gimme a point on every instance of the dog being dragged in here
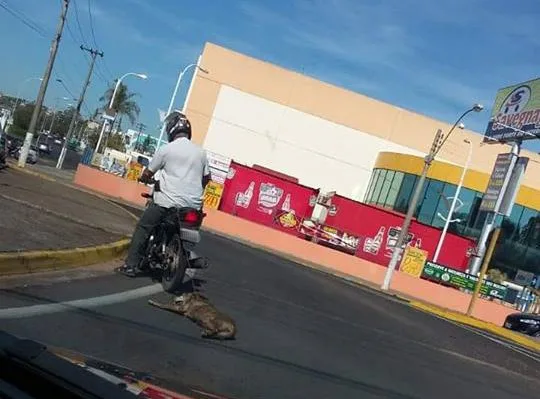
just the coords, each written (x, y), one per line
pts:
(198, 308)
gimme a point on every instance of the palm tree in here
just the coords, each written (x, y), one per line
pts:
(123, 105)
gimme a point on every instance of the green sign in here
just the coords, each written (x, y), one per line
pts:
(454, 278)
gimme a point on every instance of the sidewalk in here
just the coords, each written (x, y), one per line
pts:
(40, 214)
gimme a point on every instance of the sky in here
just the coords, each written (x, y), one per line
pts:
(436, 58)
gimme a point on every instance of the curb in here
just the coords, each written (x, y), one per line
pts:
(39, 261)
(476, 323)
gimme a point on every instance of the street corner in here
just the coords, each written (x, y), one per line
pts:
(40, 261)
(485, 326)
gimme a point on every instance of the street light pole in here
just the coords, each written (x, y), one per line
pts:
(111, 103)
(437, 144)
(175, 91)
(453, 205)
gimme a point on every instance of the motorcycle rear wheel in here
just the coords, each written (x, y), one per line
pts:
(176, 264)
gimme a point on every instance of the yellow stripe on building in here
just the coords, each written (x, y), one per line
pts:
(448, 173)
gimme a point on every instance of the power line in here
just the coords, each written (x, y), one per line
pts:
(24, 19)
(76, 8)
(99, 69)
(91, 23)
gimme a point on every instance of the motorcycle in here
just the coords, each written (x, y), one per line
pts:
(168, 251)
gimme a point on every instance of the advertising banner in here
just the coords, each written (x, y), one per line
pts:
(266, 199)
(454, 278)
(413, 262)
(212, 195)
(499, 178)
(512, 189)
(516, 113)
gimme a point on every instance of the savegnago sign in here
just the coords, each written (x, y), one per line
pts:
(516, 113)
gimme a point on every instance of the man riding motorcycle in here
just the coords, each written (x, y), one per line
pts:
(184, 173)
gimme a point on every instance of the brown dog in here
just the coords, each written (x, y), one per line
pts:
(198, 308)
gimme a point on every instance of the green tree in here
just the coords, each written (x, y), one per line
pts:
(124, 104)
(22, 117)
(62, 121)
(113, 140)
(146, 145)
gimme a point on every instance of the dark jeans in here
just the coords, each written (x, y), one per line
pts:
(149, 219)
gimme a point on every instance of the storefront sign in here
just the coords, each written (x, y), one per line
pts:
(499, 178)
(219, 166)
(454, 278)
(413, 261)
(212, 195)
(516, 113)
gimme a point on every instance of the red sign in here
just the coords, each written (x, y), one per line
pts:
(261, 197)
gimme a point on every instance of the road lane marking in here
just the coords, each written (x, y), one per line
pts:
(85, 303)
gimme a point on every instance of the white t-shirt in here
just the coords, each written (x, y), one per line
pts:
(181, 165)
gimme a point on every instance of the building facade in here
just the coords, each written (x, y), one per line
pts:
(335, 139)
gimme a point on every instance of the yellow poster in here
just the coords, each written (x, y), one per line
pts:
(134, 171)
(413, 261)
(212, 195)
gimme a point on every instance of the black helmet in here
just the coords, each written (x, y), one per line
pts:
(176, 123)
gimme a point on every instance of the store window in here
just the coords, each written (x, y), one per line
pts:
(374, 176)
(394, 190)
(467, 198)
(405, 193)
(526, 223)
(385, 187)
(510, 225)
(370, 186)
(443, 208)
(378, 186)
(431, 200)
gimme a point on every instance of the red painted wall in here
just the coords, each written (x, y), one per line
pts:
(368, 221)
(262, 197)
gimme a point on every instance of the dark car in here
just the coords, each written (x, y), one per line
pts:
(526, 323)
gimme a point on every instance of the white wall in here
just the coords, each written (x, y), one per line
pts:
(321, 154)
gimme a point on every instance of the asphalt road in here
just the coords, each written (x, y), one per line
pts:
(71, 160)
(301, 334)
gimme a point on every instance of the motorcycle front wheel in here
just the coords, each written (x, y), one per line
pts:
(175, 265)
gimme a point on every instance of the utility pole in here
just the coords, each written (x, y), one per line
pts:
(94, 54)
(398, 249)
(43, 88)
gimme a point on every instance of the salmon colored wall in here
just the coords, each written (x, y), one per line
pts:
(301, 250)
(337, 105)
(109, 184)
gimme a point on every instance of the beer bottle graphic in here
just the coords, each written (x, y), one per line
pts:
(286, 206)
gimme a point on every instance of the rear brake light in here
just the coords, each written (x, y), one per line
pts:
(191, 217)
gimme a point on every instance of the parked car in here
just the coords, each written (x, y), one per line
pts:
(45, 147)
(526, 323)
